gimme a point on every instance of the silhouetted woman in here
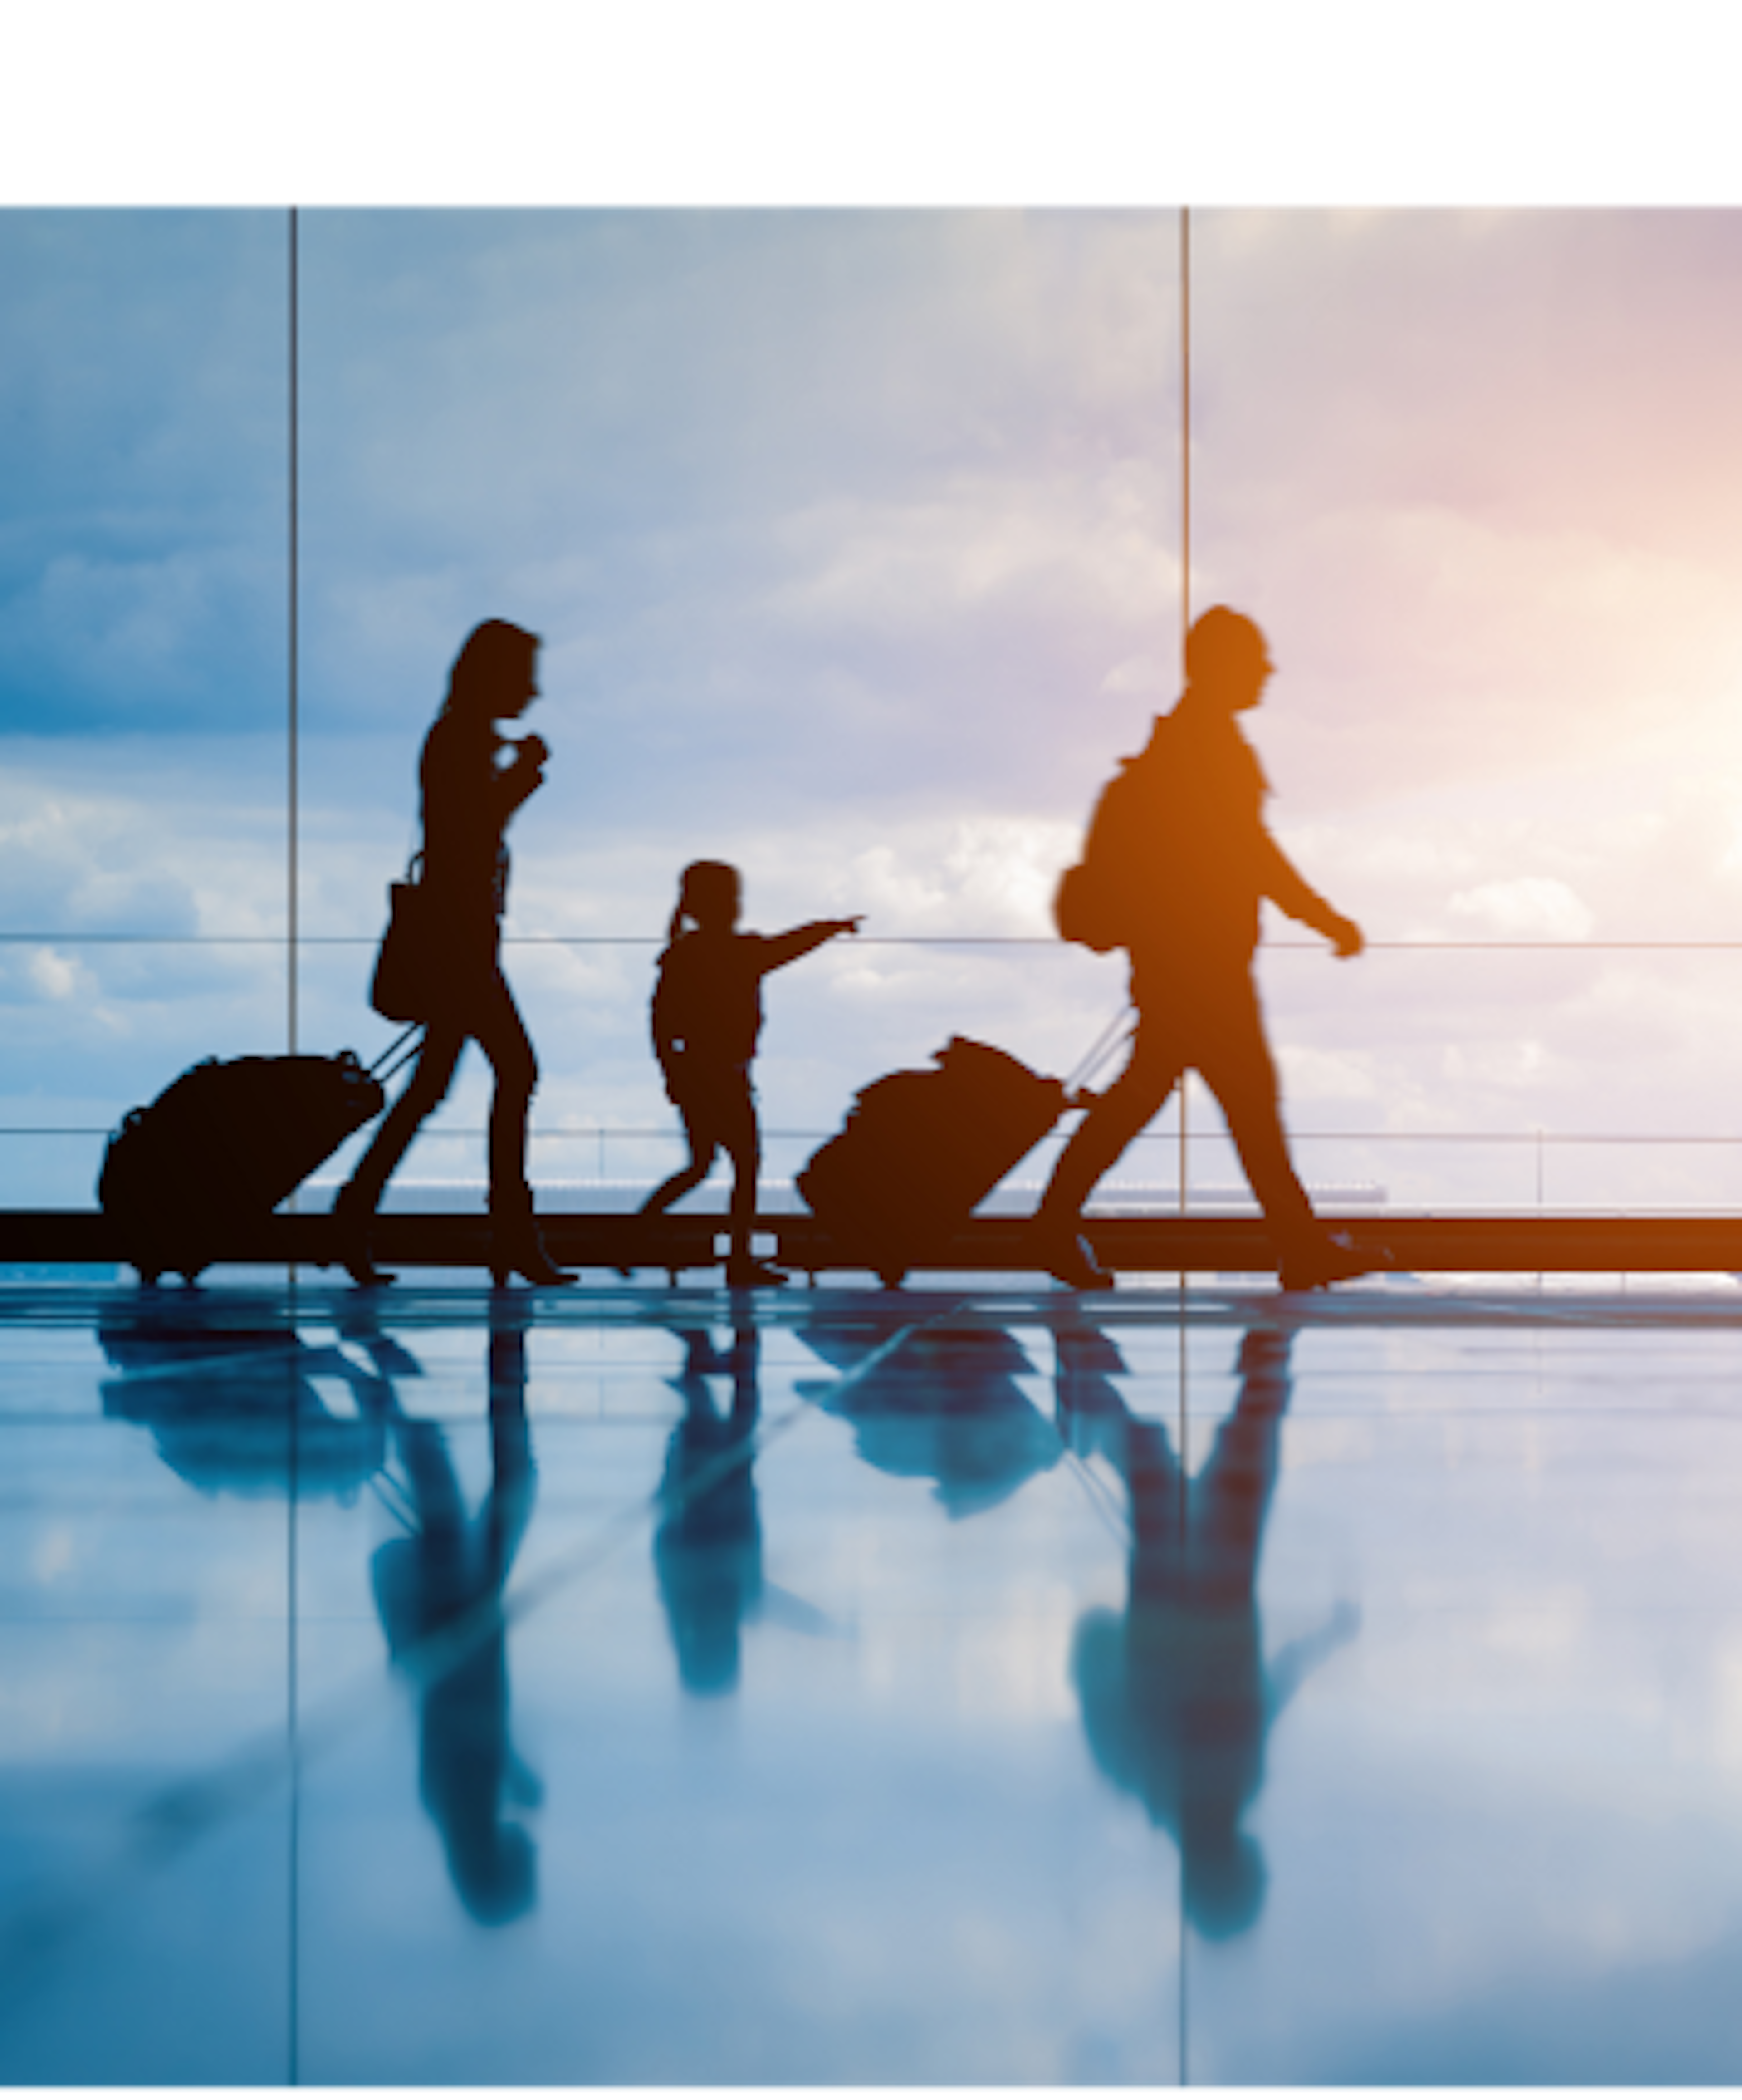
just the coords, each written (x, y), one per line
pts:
(707, 1018)
(470, 789)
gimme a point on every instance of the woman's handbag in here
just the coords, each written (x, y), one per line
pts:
(407, 984)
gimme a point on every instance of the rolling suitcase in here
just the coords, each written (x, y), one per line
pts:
(920, 1149)
(225, 1144)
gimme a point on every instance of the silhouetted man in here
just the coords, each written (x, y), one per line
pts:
(1205, 863)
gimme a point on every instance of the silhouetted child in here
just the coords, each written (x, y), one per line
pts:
(707, 1017)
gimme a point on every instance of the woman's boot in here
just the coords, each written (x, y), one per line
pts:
(353, 1222)
(515, 1246)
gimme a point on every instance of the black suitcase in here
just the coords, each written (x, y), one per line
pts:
(224, 1146)
(920, 1149)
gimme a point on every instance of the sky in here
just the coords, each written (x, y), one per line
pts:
(856, 540)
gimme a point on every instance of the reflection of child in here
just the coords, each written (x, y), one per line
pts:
(707, 1016)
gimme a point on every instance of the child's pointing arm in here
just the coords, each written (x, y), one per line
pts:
(778, 949)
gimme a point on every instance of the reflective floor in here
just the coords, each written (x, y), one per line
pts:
(961, 1686)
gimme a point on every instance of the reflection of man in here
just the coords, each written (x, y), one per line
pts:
(1177, 1700)
(439, 1593)
(1203, 862)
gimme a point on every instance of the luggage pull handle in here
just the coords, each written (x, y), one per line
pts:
(399, 1053)
(1113, 1037)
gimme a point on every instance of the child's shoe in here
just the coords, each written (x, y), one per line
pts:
(743, 1272)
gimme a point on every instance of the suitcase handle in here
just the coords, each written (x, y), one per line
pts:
(399, 1053)
(1113, 1037)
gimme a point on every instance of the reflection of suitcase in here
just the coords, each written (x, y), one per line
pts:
(218, 1401)
(921, 1148)
(224, 1146)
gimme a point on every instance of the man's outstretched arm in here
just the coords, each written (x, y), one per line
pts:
(1284, 884)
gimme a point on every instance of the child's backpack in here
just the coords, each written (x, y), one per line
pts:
(1098, 901)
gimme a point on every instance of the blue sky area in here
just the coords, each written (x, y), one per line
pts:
(855, 538)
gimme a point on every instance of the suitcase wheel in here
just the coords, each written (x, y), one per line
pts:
(148, 1259)
(153, 1267)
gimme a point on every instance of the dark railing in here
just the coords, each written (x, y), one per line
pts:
(1209, 1229)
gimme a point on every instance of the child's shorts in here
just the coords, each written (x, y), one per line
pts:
(717, 1108)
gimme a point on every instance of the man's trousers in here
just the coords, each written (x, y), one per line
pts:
(1210, 1022)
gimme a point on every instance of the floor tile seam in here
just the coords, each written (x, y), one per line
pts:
(1434, 1316)
(1363, 1391)
(464, 1304)
(82, 1613)
(1105, 1503)
(1392, 1618)
(1538, 1410)
(1560, 1365)
(292, 1351)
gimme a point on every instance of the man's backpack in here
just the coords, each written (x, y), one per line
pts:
(1098, 902)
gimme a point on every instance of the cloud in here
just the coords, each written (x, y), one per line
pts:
(58, 977)
(1528, 906)
(855, 539)
(144, 471)
(985, 877)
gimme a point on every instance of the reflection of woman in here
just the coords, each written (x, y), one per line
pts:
(469, 796)
(439, 1590)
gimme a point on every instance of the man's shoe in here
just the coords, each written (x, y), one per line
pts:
(1331, 1259)
(1069, 1257)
